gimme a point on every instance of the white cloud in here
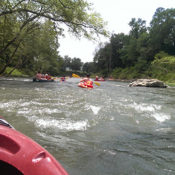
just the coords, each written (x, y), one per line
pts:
(74, 47)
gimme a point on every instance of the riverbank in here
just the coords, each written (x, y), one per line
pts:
(161, 69)
(121, 75)
(169, 84)
(11, 72)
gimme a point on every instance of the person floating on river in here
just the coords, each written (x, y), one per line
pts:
(42, 77)
(87, 78)
(63, 78)
(96, 78)
(48, 77)
(86, 82)
(99, 79)
(38, 75)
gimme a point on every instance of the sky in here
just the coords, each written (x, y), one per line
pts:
(117, 13)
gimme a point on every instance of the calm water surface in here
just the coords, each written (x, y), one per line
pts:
(110, 130)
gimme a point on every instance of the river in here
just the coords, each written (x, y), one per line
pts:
(112, 129)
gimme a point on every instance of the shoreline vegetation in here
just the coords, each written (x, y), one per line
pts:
(162, 69)
(29, 45)
(121, 75)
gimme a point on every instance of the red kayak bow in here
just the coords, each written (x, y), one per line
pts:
(20, 155)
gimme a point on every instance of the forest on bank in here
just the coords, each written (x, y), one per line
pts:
(146, 52)
(30, 31)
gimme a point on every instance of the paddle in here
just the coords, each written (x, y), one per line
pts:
(77, 76)
(97, 83)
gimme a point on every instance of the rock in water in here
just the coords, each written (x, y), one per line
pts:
(148, 83)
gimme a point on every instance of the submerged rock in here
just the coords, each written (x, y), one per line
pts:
(148, 83)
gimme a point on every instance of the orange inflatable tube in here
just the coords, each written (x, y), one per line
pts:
(88, 84)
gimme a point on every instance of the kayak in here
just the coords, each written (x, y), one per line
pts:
(20, 155)
(42, 80)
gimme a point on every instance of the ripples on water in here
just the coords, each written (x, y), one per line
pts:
(110, 130)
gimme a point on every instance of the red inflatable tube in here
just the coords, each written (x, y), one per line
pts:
(85, 85)
(82, 85)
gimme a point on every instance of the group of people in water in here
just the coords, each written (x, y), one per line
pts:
(47, 77)
(99, 79)
(88, 83)
(40, 76)
(84, 83)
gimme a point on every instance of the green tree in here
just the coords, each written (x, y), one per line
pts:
(38, 50)
(138, 27)
(89, 67)
(76, 64)
(118, 42)
(162, 31)
(66, 63)
(102, 58)
(77, 15)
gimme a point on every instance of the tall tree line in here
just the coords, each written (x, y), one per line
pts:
(140, 47)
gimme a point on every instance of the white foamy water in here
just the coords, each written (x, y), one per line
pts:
(48, 111)
(145, 107)
(62, 124)
(10, 106)
(30, 103)
(165, 130)
(24, 111)
(161, 117)
(111, 152)
(95, 109)
(152, 111)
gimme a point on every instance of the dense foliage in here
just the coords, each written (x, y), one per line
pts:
(29, 31)
(137, 54)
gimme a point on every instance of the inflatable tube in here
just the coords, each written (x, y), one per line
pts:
(81, 85)
(85, 85)
(21, 155)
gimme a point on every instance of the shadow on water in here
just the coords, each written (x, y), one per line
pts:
(112, 129)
